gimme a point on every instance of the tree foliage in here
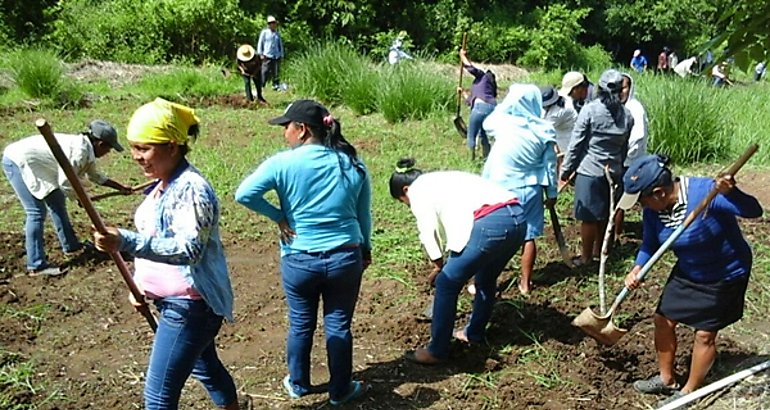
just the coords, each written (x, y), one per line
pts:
(744, 32)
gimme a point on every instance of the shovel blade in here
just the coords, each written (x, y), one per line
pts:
(460, 126)
(599, 327)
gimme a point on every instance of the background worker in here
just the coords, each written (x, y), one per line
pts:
(270, 50)
(637, 140)
(707, 285)
(482, 99)
(251, 71)
(40, 184)
(575, 90)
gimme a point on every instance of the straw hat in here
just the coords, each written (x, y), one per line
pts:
(245, 52)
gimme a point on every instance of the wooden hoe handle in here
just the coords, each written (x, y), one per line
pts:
(47, 133)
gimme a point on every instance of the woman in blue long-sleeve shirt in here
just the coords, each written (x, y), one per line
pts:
(324, 221)
(707, 286)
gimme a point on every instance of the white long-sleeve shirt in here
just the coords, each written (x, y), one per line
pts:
(443, 203)
(39, 169)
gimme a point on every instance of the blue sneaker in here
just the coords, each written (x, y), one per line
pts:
(357, 389)
(289, 388)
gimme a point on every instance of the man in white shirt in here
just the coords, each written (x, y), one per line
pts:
(40, 183)
(684, 68)
(270, 49)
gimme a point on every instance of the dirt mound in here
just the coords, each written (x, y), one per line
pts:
(115, 74)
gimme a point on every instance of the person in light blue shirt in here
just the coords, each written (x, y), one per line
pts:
(270, 50)
(523, 160)
(325, 225)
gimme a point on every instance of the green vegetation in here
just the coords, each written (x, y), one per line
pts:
(557, 34)
(39, 74)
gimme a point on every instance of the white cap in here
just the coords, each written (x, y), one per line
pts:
(271, 19)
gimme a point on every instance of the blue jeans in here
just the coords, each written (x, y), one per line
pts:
(494, 240)
(247, 80)
(334, 276)
(479, 112)
(184, 345)
(35, 209)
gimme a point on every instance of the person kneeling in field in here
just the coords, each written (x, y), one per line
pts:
(39, 183)
(707, 286)
(180, 262)
(481, 224)
(325, 226)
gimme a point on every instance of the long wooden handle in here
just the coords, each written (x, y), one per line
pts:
(560, 237)
(460, 83)
(77, 186)
(134, 189)
(737, 165)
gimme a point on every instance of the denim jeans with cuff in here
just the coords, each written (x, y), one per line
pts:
(334, 277)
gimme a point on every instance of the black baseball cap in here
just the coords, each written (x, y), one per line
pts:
(304, 111)
(104, 131)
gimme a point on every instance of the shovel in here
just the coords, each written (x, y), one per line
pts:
(72, 177)
(460, 126)
(600, 327)
(560, 237)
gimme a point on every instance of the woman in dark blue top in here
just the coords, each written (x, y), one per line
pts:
(707, 285)
(482, 99)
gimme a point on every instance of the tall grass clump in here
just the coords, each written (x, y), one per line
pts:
(687, 119)
(412, 91)
(187, 82)
(38, 73)
(324, 70)
(359, 88)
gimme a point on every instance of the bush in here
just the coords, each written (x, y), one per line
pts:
(687, 119)
(38, 73)
(412, 91)
(324, 70)
(149, 32)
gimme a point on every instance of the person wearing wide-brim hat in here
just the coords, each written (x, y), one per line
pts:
(250, 67)
(41, 185)
(707, 285)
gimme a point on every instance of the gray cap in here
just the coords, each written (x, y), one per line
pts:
(104, 131)
(612, 81)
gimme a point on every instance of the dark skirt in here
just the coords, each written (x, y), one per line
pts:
(703, 306)
(592, 198)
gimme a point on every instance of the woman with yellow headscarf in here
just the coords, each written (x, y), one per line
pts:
(179, 259)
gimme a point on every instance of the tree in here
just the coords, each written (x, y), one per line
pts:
(743, 32)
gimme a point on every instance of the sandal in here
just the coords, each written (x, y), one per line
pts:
(655, 385)
(578, 261)
(522, 291)
(357, 389)
(421, 356)
(460, 335)
(675, 396)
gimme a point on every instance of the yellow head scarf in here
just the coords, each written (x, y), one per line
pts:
(161, 122)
